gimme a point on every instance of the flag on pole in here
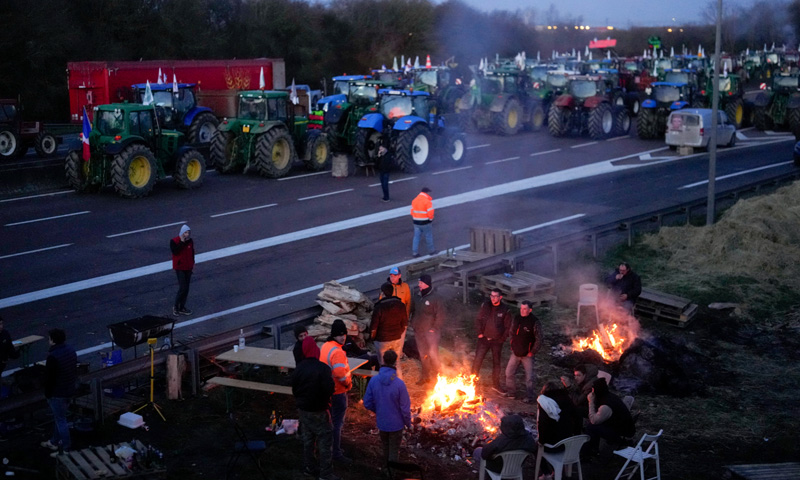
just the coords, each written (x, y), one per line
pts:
(148, 94)
(160, 81)
(87, 129)
(261, 83)
(416, 62)
(394, 65)
(174, 85)
(293, 94)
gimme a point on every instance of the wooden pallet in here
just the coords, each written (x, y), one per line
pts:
(101, 463)
(764, 471)
(662, 300)
(518, 283)
(682, 320)
(428, 265)
(460, 258)
(493, 241)
(666, 308)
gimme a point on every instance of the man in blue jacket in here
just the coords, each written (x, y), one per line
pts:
(60, 378)
(387, 396)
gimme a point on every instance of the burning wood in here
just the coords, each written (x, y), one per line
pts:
(610, 340)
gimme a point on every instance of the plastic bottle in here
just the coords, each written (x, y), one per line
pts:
(241, 338)
(273, 421)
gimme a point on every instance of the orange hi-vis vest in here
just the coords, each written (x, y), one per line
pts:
(333, 356)
(422, 209)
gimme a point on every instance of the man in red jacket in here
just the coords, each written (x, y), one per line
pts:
(182, 248)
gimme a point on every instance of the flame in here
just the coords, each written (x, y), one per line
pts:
(607, 342)
(458, 394)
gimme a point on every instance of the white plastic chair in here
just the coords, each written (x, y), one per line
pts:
(512, 465)
(638, 455)
(587, 297)
(565, 458)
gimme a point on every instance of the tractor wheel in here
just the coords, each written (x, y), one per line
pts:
(622, 122)
(203, 128)
(224, 152)
(601, 122)
(77, 171)
(10, 144)
(646, 126)
(275, 153)
(366, 148)
(760, 119)
(46, 145)
(133, 171)
(509, 120)
(413, 151)
(558, 121)
(636, 107)
(455, 148)
(317, 155)
(333, 140)
(618, 99)
(735, 112)
(538, 117)
(794, 120)
(190, 169)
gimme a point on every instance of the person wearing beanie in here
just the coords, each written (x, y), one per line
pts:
(334, 356)
(389, 321)
(492, 326)
(401, 290)
(422, 217)
(300, 333)
(428, 318)
(182, 248)
(312, 387)
(387, 396)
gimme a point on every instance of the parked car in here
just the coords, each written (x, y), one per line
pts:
(690, 127)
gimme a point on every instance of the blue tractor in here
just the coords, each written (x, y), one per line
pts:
(664, 98)
(178, 110)
(407, 124)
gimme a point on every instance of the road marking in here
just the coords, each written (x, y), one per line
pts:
(547, 224)
(37, 196)
(244, 210)
(304, 175)
(47, 218)
(777, 134)
(392, 182)
(617, 138)
(324, 194)
(724, 177)
(146, 229)
(583, 145)
(35, 251)
(545, 152)
(452, 170)
(502, 160)
(479, 146)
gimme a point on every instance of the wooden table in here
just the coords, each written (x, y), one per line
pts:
(272, 358)
(24, 346)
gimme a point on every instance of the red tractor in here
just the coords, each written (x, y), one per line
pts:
(585, 107)
(16, 136)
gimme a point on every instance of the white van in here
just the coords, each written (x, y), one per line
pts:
(690, 127)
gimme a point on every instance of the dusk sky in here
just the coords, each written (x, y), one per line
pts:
(619, 13)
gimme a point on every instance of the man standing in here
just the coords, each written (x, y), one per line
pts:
(182, 248)
(312, 387)
(333, 355)
(384, 164)
(492, 326)
(7, 349)
(626, 284)
(387, 396)
(401, 290)
(61, 375)
(526, 339)
(422, 216)
(389, 321)
(428, 316)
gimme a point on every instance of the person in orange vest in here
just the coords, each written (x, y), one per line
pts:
(333, 356)
(422, 216)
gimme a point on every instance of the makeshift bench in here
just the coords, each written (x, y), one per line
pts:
(230, 383)
(363, 372)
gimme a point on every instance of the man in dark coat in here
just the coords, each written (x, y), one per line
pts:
(492, 326)
(626, 285)
(312, 387)
(580, 388)
(609, 417)
(61, 376)
(513, 436)
(7, 349)
(389, 321)
(557, 418)
(300, 333)
(428, 317)
(526, 339)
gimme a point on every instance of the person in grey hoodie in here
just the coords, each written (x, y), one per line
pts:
(387, 396)
(513, 436)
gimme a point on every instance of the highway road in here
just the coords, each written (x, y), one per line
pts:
(81, 262)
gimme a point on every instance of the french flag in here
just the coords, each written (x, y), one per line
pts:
(87, 129)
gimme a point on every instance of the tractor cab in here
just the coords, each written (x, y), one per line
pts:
(585, 86)
(785, 83)
(390, 76)
(677, 95)
(430, 79)
(178, 110)
(341, 87)
(397, 104)
(684, 75)
(261, 106)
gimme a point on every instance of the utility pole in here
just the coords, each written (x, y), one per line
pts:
(712, 147)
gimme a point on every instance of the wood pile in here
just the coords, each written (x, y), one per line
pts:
(665, 308)
(343, 303)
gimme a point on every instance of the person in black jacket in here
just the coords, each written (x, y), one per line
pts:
(557, 418)
(300, 333)
(626, 285)
(7, 349)
(492, 326)
(389, 321)
(609, 417)
(526, 339)
(312, 387)
(384, 161)
(513, 436)
(61, 376)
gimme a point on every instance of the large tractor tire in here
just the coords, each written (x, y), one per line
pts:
(10, 144)
(46, 145)
(622, 122)
(455, 148)
(646, 126)
(558, 121)
(366, 148)
(77, 171)
(538, 117)
(636, 107)
(190, 169)
(133, 171)
(413, 150)
(760, 119)
(794, 121)
(203, 128)
(601, 122)
(317, 154)
(618, 99)
(275, 153)
(509, 121)
(224, 152)
(735, 112)
(333, 139)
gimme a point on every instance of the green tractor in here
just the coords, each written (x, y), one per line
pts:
(731, 97)
(266, 135)
(439, 82)
(778, 107)
(501, 101)
(341, 117)
(128, 150)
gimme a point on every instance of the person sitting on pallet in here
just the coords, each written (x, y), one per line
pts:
(626, 284)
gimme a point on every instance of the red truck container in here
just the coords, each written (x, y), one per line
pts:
(100, 83)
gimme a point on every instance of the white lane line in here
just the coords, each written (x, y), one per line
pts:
(35, 251)
(36, 196)
(583, 145)
(146, 229)
(452, 170)
(324, 194)
(479, 146)
(244, 210)
(617, 138)
(47, 218)
(547, 224)
(502, 160)
(392, 182)
(304, 175)
(745, 172)
(536, 154)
